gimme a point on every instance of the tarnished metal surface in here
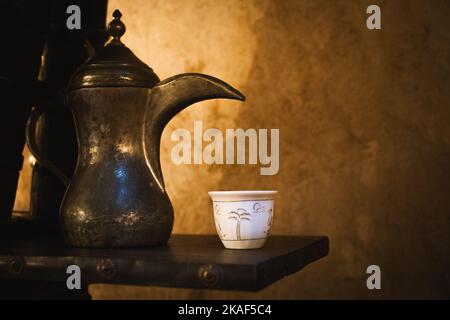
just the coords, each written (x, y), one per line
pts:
(113, 199)
(115, 65)
(116, 197)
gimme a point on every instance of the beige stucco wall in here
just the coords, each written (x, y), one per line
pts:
(364, 132)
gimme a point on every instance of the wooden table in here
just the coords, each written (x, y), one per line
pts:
(34, 260)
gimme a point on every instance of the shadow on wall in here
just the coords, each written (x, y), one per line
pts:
(364, 146)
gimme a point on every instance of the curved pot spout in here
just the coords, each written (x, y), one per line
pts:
(168, 98)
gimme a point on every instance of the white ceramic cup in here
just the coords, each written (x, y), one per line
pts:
(243, 218)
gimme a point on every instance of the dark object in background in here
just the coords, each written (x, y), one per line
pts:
(11, 157)
(35, 29)
(117, 197)
(23, 27)
(65, 50)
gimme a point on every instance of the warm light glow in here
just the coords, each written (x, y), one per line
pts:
(124, 148)
(32, 160)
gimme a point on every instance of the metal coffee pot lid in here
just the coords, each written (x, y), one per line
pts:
(114, 65)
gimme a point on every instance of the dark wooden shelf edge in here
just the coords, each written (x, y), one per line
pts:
(175, 274)
(189, 261)
(279, 268)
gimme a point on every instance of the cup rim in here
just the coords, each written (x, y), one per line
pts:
(237, 195)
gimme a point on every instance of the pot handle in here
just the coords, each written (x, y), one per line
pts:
(31, 139)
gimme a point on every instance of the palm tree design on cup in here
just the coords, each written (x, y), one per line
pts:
(239, 215)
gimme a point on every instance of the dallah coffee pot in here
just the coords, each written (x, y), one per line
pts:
(116, 197)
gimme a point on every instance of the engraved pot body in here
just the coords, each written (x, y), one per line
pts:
(113, 199)
(116, 197)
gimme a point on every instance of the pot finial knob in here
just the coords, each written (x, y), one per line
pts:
(116, 28)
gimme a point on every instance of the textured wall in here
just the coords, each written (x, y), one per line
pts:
(364, 132)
